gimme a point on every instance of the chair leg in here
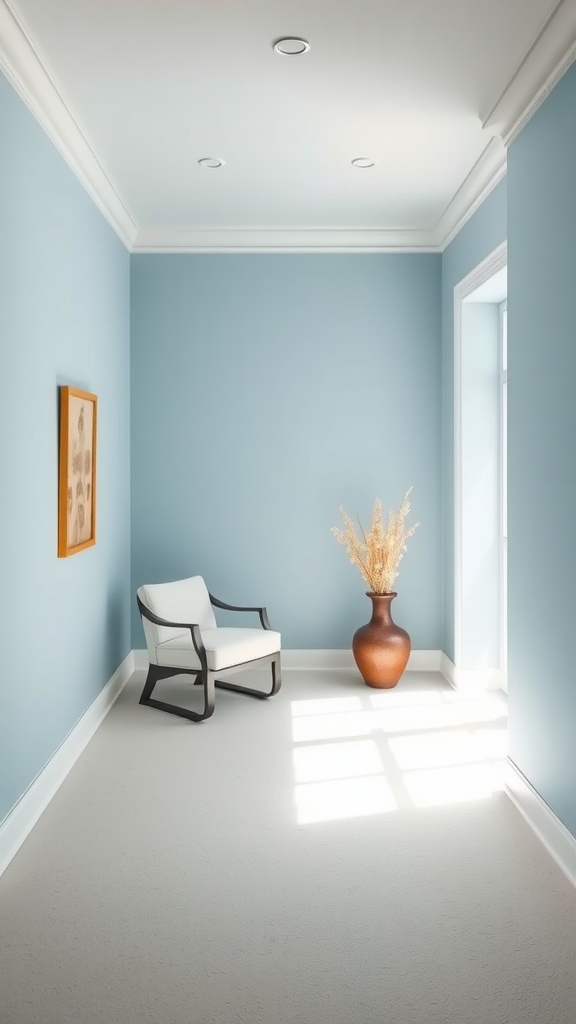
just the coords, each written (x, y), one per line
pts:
(262, 694)
(276, 675)
(155, 672)
(151, 680)
(208, 682)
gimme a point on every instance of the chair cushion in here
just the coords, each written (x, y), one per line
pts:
(224, 647)
(181, 601)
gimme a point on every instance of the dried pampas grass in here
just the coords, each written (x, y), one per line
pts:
(378, 552)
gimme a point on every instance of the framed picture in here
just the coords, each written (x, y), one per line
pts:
(77, 471)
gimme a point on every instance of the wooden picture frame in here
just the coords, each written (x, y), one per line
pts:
(77, 471)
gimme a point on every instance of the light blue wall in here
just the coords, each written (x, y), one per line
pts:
(267, 391)
(541, 437)
(483, 233)
(64, 318)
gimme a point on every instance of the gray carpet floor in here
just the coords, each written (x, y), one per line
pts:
(332, 855)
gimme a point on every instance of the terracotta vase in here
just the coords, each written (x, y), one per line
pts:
(381, 648)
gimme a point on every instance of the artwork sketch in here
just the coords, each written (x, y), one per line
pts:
(77, 471)
(79, 509)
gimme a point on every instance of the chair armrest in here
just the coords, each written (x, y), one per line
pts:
(192, 626)
(242, 608)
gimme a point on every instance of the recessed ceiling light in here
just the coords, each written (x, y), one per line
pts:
(211, 161)
(291, 46)
(363, 161)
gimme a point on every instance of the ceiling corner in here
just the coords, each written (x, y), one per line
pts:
(26, 72)
(542, 68)
(488, 170)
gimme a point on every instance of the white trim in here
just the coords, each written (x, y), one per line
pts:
(458, 587)
(21, 820)
(141, 661)
(552, 833)
(24, 68)
(424, 661)
(489, 266)
(187, 239)
(317, 659)
(487, 172)
(419, 661)
(503, 473)
(547, 60)
(466, 679)
(485, 270)
(447, 669)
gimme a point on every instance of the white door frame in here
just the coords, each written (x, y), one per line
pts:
(485, 270)
(503, 314)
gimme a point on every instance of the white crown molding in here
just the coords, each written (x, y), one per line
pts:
(552, 833)
(21, 820)
(488, 170)
(270, 240)
(24, 69)
(548, 59)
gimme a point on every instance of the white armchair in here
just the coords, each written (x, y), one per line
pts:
(182, 636)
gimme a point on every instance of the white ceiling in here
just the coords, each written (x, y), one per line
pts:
(147, 87)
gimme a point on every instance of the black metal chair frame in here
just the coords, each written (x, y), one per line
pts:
(207, 677)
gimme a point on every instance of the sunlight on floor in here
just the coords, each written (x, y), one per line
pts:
(396, 698)
(336, 761)
(404, 719)
(325, 727)
(394, 751)
(434, 749)
(325, 704)
(345, 798)
(450, 785)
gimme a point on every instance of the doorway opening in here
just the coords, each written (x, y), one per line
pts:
(480, 474)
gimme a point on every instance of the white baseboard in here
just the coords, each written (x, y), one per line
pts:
(425, 661)
(328, 660)
(447, 669)
(22, 818)
(140, 660)
(558, 840)
(470, 678)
